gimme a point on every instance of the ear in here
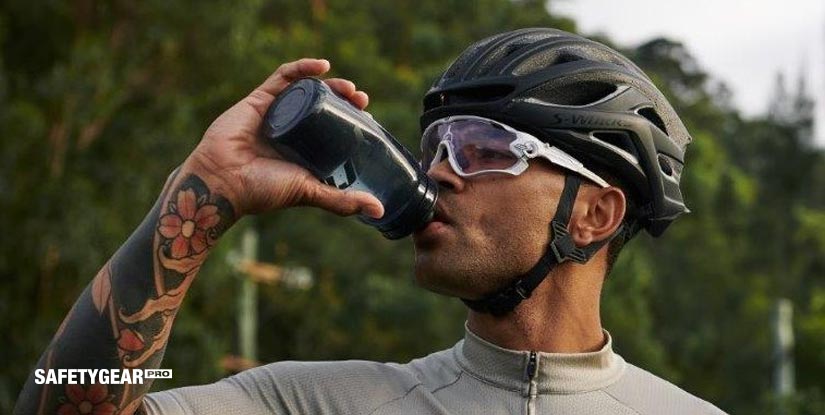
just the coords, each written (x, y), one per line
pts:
(597, 214)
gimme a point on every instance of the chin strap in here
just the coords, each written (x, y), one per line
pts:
(560, 249)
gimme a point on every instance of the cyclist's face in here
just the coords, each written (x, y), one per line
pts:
(493, 227)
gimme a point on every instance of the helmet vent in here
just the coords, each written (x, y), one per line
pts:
(544, 60)
(665, 165)
(489, 63)
(565, 58)
(475, 95)
(619, 140)
(575, 94)
(653, 117)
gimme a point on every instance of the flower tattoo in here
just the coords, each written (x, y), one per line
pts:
(96, 400)
(189, 224)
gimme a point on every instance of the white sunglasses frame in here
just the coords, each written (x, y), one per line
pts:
(525, 147)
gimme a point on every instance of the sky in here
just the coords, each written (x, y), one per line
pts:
(743, 43)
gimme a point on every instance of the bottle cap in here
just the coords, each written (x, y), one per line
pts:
(292, 106)
(415, 214)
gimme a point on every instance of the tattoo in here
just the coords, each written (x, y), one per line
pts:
(124, 317)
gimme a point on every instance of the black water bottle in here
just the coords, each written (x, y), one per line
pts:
(344, 147)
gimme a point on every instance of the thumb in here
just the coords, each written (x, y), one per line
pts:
(344, 202)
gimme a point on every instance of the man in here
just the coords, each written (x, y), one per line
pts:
(550, 151)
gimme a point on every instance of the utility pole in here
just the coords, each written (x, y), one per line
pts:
(248, 300)
(783, 375)
(251, 272)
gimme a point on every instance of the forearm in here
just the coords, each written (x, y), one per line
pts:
(123, 319)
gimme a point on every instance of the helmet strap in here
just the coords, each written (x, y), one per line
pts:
(560, 249)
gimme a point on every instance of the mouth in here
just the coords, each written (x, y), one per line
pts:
(440, 222)
(441, 216)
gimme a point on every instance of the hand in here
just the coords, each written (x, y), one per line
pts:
(252, 175)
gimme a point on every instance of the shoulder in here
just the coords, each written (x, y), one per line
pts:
(436, 370)
(346, 380)
(355, 386)
(351, 386)
(647, 393)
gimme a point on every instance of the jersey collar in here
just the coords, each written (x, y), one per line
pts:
(555, 372)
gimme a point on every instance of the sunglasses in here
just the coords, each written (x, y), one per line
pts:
(476, 145)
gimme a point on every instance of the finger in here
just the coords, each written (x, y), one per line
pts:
(360, 99)
(372, 206)
(345, 203)
(303, 67)
(291, 71)
(346, 89)
(343, 87)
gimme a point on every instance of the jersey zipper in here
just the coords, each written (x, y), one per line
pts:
(532, 387)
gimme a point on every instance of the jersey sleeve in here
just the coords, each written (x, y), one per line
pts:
(291, 388)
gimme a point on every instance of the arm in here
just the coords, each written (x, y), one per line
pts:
(123, 319)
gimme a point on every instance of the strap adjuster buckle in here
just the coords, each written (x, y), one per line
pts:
(520, 290)
(563, 247)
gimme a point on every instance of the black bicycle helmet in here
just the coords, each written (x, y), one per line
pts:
(582, 96)
(586, 99)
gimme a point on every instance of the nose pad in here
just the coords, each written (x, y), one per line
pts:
(441, 155)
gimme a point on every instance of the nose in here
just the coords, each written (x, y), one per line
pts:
(442, 172)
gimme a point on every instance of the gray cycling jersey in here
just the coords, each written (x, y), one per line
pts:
(473, 377)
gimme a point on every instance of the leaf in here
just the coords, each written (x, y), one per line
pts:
(102, 288)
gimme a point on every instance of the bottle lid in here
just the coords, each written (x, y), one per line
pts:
(291, 106)
(415, 214)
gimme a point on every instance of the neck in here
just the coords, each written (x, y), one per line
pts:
(561, 316)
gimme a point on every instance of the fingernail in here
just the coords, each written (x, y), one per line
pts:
(371, 212)
(379, 213)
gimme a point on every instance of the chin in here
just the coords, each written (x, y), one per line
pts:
(432, 274)
(444, 276)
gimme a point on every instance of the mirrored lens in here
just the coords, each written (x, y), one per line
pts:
(480, 146)
(477, 145)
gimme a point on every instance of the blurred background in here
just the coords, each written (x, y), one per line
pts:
(101, 100)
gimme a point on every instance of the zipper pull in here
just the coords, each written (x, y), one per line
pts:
(532, 366)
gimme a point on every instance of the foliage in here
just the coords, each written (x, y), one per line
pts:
(752, 187)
